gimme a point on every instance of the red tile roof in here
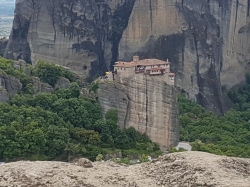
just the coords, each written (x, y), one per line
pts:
(145, 62)
(171, 74)
(150, 62)
(124, 64)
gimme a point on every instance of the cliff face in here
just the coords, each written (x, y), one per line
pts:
(72, 33)
(206, 41)
(3, 44)
(147, 104)
(8, 86)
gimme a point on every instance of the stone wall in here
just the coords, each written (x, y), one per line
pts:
(145, 103)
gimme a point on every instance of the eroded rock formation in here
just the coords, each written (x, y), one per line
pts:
(8, 86)
(145, 103)
(206, 41)
(72, 33)
(3, 44)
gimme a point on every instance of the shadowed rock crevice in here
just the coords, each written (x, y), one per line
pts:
(205, 34)
(119, 24)
(191, 37)
(75, 34)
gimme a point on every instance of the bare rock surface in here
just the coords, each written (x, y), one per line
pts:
(207, 42)
(175, 170)
(8, 86)
(148, 104)
(84, 162)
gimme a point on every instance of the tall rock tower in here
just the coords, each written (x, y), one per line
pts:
(146, 103)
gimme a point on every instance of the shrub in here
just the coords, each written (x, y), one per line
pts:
(99, 157)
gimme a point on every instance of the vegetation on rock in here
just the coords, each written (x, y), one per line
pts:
(226, 135)
(50, 73)
(7, 66)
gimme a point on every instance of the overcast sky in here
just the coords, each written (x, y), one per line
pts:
(7, 7)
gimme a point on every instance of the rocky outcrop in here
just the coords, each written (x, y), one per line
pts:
(4, 96)
(203, 40)
(145, 103)
(41, 86)
(3, 44)
(177, 169)
(21, 65)
(62, 83)
(8, 86)
(72, 33)
(84, 162)
(206, 41)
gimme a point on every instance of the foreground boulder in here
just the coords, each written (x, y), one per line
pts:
(84, 162)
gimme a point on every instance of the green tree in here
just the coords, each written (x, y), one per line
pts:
(47, 72)
(112, 114)
(99, 157)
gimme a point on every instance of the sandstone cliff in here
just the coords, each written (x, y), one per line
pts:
(72, 33)
(206, 41)
(177, 169)
(145, 103)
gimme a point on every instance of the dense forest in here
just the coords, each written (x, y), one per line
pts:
(226, 135)
(63, 124)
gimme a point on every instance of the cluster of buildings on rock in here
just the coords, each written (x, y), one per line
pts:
(148, 67)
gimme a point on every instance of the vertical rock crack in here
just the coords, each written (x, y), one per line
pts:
(151, 16)
(146, 105)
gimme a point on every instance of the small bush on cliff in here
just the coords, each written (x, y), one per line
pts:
(99, 157)
(112, 114)
(50, 73)
(7, 66)
(94, 87)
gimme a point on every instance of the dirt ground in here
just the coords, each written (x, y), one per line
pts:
(184, 169)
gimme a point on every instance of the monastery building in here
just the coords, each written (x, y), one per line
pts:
(148, 67)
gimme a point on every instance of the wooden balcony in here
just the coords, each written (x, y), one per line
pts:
(140, 71)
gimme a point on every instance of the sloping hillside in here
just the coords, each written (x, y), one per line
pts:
(177, 169)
